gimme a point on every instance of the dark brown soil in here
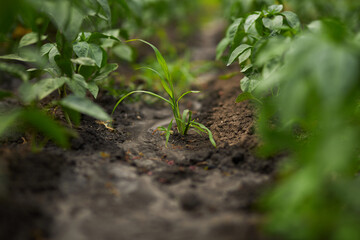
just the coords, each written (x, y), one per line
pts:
(125, 184)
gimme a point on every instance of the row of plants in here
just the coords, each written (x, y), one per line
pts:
(302, 73)
(63, 49)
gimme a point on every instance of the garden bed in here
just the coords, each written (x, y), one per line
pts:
(125, 184)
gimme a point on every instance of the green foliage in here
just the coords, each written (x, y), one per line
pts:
(307, 84)
(247, 36)
(183, 121)
(318, 121)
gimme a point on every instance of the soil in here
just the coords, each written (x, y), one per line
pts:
(125, 184)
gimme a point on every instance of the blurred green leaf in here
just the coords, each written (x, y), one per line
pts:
(93, 51)
(7, 120)
(46, 125)
(78, 85)
(30, 38)
(15, 69)
(85, 106)
(46, 86)
(292, 19)
(275, 23)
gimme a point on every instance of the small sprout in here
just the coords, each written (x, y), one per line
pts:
(184, 121)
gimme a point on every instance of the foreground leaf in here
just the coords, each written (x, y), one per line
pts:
(85, 106)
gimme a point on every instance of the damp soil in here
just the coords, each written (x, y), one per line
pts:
(124, 183)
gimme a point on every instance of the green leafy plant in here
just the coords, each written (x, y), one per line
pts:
(315, 118)
(74, 64)
(184, 121)
(248, 35)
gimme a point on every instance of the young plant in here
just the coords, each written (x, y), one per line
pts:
(183, 121)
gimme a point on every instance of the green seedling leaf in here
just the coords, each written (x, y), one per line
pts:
(46, 125)
(85, 61)
(292, 19)
(201, 127)
(105, 71)
(244, 56)
(273, 9)
(275, 23)
(163, 82)
(85, 106)
(30, 38)
(140, 91)
(160, 60)
(239, 50)
(168, 132)
(16, 70)
(184, 94)
(46, 86)
(93, 51)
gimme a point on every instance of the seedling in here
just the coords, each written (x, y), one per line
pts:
(184, 121)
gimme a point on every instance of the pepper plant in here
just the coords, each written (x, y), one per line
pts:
(246, 36)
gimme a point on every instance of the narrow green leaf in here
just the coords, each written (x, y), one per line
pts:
(235, 54)
(160, 60)
(163, 82)
(85, 106)
(184, 94)
(140, 91)
(211, 138)
(168, 132)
